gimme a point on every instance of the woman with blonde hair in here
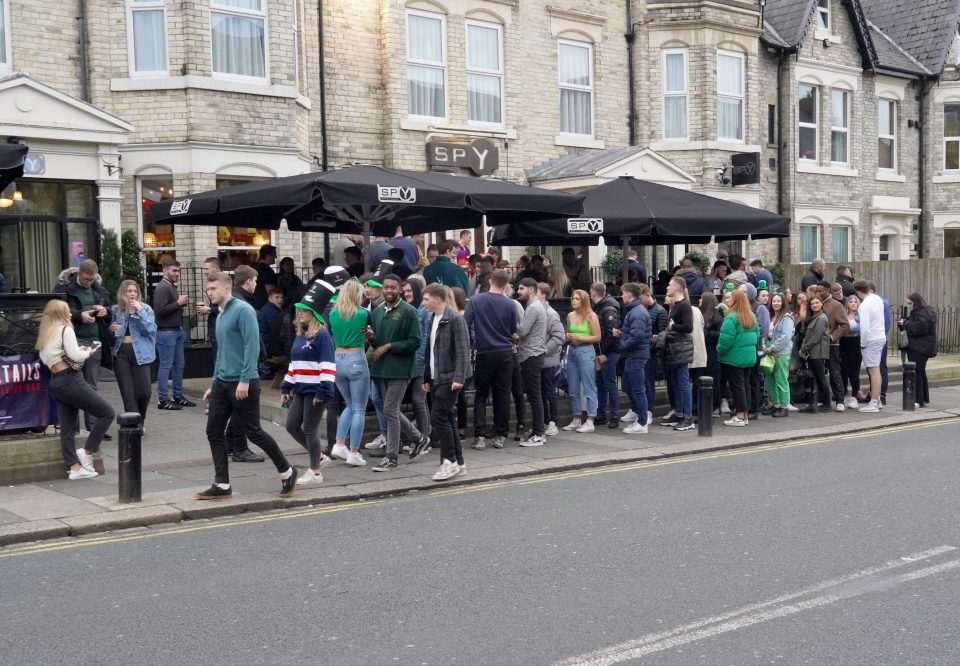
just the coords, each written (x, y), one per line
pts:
(347, 323)
(559, 283)
(737, 350)
(583, 334)
(59, 351)
(134, 347)
(310, 376)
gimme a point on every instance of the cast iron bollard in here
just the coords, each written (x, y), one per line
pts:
(909, 386)
(128, 453)
(705, 407)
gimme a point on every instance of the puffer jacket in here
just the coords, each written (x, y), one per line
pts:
(636, 331)
(678, 347)
(608, 312)
(921, 328)
(737, 345)
(695, 283)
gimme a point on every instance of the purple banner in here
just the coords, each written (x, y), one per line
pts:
(25, 393)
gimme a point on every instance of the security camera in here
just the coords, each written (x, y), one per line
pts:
(720, 172)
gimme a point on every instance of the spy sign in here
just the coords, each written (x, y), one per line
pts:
(585, 226)
(479, 156)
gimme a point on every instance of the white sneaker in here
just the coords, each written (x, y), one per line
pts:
(735, 421)
(629, 417)
(851, 403)
(839, 407)
(354, 459)
(85, 458)
(586, 427)
(447, 470)
(724, 407)
(792, 408)
(573, 425)
(533, 440)
(377, 443)
(309, 477)
(462, 470)
(869, 408)
(340, 451)
(551, 429)
(649, 418)
(82, 473)
(636, 429)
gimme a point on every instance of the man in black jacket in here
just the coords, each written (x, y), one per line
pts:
(813, 275)
(608, 312)
(90, 313)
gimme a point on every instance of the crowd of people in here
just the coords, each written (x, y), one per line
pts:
(426, 326)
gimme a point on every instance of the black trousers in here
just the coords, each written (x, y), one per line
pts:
(753, 396)
(133, 380)
(850, 360)
(530, 371)
(494, 372)
(821, 387)
(516, 390)
(224, 407)
(73, 394)
(548, 394)
(738, 379)
(443, 418)
(836, 375)
(923, 386)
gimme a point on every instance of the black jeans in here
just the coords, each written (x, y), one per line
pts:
(443, 418)
(303, 424)
(245, 414)
(133, 380)
(739, 381)
(836, 374)
(494, 371)
(516, 389)
(72, 394)
(530, 371)
(91, 374)
(923, 386)
(548, 393)
(821, 387)
(850, 360)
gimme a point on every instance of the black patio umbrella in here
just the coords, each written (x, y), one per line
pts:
(638, 212)
(11, 162)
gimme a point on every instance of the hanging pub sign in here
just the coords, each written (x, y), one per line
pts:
(746, 169)
(480, 156)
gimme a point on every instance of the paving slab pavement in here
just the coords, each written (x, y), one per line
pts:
(176, 464)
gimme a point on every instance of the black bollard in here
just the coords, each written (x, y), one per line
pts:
(909, 386)
(128, 453)
(705, 407)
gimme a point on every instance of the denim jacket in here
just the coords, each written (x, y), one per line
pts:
(141, 326)
(781, 342)
(425, 322)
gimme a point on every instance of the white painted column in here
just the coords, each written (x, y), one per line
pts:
(110, 199)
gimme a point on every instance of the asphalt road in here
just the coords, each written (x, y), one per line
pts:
(825, 552)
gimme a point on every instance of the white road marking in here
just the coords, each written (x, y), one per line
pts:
(844, 587)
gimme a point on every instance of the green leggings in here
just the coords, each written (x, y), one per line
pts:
(779, 384)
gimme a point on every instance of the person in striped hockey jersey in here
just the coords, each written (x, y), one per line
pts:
(310, 378)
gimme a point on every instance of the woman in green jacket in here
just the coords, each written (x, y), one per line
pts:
(737, 351)
(815, 350)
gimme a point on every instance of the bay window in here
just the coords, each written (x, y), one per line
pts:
(239, 37)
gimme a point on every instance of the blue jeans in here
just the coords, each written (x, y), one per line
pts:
(170, 354)
(353, 383)
(582, 376)
(607, 393)
(634, 379)
(650, 379)
(679, 379)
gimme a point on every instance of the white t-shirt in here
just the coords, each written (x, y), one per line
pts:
(433, 342)
(872, 328)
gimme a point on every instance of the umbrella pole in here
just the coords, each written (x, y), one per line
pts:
(623, 261)
(366, 246)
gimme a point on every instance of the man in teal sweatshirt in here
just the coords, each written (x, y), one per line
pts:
(235, 389)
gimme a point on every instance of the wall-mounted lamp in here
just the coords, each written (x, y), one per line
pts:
(721, 175)
(112, 164)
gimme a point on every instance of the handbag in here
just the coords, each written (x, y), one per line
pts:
(65, 357)
(903, 340)
(768, 363)
(803, 375)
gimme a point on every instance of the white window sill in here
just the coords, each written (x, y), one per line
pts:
(891, 177)
(825, 34)
(952, 177)
(206, 83)
(441, 125)
(679, 144)
(812, 167)
(578, 141)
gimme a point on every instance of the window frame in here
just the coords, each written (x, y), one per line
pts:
(443, 66)
(950, 138)
(295, 28)
(816, 242)
(134, 6)
(144, 249)
(845, 129)
(895, 114)
(684, 93)
(741, 96)
(824, 11)
(484, 72)
(6, 64)
(815, 125)
(572, 86)
(260, 15)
